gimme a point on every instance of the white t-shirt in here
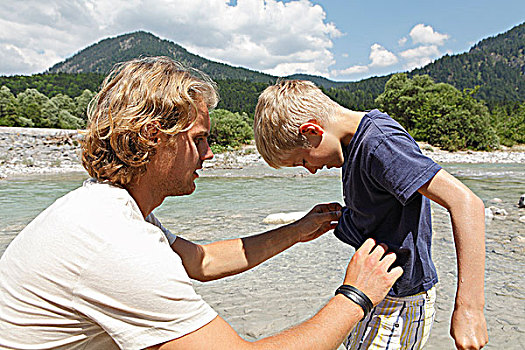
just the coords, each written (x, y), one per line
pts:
(90, 273)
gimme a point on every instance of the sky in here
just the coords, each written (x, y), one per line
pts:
(342, 40)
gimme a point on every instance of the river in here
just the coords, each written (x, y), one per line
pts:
(232, 203)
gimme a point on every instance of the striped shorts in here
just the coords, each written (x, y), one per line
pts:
(395, 324)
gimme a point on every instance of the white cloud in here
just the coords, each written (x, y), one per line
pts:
(426, 40)
(271, 36)
(419, 56)
(349, 71)
(16, 60)
(422, 34)
(42, 34)
(381, 57)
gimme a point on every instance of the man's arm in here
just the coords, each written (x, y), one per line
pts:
(229, 257)
(467, 213)
(367, 271)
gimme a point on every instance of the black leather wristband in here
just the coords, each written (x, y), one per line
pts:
(357, 297)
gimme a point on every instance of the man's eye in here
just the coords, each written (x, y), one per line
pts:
(198, 140)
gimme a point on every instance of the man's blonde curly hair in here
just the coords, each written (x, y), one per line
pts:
(136, 95)
(282, 108)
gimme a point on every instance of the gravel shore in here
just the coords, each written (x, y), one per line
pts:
(50, 151)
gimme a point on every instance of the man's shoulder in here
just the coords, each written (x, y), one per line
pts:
(104, 197)
(95, 208)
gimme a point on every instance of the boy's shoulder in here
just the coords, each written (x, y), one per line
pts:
(376, 127)
(383, 123)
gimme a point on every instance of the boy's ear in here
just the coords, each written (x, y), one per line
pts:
(311, 128)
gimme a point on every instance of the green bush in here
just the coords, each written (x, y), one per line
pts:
(509, 122)
(438, 113)
(68, 121)
(229, 130)
(7, 107)
(34, 109)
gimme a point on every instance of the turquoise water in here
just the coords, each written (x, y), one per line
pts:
(229, 203)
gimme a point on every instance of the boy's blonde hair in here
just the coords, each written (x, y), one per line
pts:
(282, 108)
(137, 94)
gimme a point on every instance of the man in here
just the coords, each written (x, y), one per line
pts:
(96, 270)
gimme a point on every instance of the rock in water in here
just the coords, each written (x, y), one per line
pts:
(488, 215)
(521, 202)
(284, 218)
(496, 200)
(498, 211)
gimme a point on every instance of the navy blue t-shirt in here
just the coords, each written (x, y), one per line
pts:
(383, 169)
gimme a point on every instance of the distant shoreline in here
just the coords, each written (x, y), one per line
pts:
(32, 151)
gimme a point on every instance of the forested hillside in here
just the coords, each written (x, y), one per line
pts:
(496, 65)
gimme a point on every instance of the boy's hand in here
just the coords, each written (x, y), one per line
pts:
(322, 218)
(469, 328)
(369, 271)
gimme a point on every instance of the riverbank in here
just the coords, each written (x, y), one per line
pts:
(54, 151)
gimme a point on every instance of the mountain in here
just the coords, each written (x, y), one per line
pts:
(496, 65)
(102, 56)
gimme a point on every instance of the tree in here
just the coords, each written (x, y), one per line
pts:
(81, 104)
(7, 107)
(229, 129)
(49, 114)
(68, 121)
(64, 102)
(438, 113)
(29, 108)
(509, 122)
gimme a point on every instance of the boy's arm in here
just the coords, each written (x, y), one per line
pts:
(467, 213)
(229, 257)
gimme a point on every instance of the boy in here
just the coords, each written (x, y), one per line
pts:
(387, 184)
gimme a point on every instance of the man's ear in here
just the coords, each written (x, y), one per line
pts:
(151, 131)
(311, 128)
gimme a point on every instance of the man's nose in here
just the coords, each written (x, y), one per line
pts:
(311, 169)
(208, 154)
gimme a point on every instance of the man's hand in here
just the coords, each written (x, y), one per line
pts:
(369, 272)
(468, 328)
(322, 218)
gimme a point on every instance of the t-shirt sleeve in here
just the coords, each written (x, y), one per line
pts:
(399, 167)
(152, 219)
(139, 292)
